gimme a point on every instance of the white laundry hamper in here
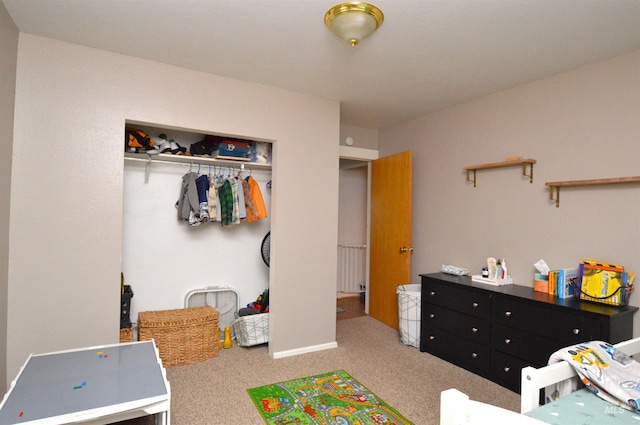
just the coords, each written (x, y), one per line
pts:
(409, 310)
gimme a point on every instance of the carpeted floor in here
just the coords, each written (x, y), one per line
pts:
(214, 392)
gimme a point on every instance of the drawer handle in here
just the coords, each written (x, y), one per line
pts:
(431, 316)
(474, 355)
(507, 369)
(432, 293)
(431, 337)
(474, 330)
(507, 341)
(474, 305)
(576, 331)
(507, 313)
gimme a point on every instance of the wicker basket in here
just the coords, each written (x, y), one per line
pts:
(183, 336)
(126, 334)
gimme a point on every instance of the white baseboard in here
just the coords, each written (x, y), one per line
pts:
(304, 350)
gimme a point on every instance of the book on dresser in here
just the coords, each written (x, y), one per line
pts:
(566, 282)
(552, 282)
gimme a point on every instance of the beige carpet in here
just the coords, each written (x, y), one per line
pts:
(214, 392)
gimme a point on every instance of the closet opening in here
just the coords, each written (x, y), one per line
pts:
(172, 243)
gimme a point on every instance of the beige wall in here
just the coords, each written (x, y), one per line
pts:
(583, 124)
(366, 138)
(8, 57)
(66, 195)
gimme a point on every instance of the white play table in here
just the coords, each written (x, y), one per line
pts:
(94, 385)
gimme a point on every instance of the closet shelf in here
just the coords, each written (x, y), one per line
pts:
(593, 182)
(507, 163)
(186, 159)
(191, 160)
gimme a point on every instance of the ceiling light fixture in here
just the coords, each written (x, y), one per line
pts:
(353, 21)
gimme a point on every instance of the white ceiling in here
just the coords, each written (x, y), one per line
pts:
(427, 55)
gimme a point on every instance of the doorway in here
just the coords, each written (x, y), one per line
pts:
(387, 227)
(352, 238)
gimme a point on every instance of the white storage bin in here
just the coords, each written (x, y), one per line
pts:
(252, 330)
(409, 309)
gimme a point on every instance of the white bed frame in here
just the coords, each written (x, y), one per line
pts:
(457, 409)
(533, 380)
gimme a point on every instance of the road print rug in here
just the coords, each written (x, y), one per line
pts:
(327, 399)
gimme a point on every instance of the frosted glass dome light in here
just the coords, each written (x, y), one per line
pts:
(353, 21)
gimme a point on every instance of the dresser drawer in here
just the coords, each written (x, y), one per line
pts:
(470, 327)
(507, 370)
(531, 348)
(457, 298)
(561, 326)
(463, 352)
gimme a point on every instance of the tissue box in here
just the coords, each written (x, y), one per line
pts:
(541, 282)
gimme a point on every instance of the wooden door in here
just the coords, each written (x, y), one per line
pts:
(390, 234)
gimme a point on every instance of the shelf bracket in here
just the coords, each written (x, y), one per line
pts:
(147, 171)
(524, 171)
(474, 177)
(557, 195)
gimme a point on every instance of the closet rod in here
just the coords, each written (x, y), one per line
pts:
(191, 161)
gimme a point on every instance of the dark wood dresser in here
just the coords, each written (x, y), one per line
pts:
(495, 331)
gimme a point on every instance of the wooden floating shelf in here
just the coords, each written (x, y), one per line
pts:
(554, 195)
(508, 163)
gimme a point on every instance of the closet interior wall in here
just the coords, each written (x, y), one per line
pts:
(164, 258)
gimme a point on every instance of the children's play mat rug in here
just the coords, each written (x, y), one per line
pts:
(327, 399)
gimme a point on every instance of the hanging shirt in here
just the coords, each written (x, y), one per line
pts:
(256, 197)
(242, 208)
(188, 202)
(202, 184)
(212, 199)
(225, 193)
(218, 203)
(251, 209)
(235, 218)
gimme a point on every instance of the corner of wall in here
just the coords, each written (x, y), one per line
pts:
(8, 58)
